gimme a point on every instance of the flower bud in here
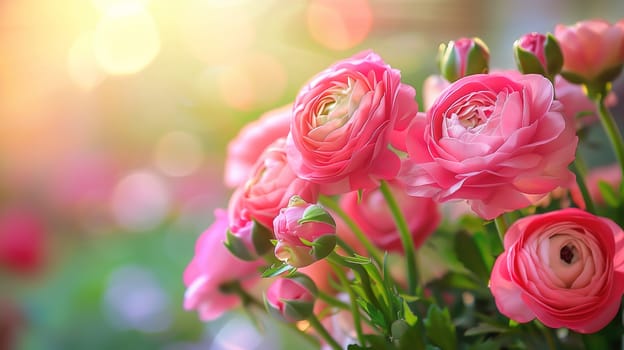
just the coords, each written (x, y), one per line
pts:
(304, 232)
(593, 51)
(537, 53)
(291, 298)
(462, 57)
(250, 241)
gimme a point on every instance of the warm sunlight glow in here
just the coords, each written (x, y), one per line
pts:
(126, 39)
(216, 33)
(256, 80)
(339, 25)
(81, 64)
(178, 153)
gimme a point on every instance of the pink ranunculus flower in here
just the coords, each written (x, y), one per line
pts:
(498, 141)
(305, 233)
(247, 146)
(212, 268)
(372, 215)
(591, 48)
(565, 268)
(344, 119)
(271, 185)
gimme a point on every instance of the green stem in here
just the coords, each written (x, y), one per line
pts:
(333, 301)
(359, 234)
(316, 324)
(406, 239)
(355, 312)
(246, 298)
(611, 129)
(365, 280)
(550, 340)
(501, 227)
(580, 180)
(342, 244)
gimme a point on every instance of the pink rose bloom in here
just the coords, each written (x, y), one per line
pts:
(294, 233)
(271, 184)
(372, 215)
(498, 141)
(213, 267)
(565, 268)
(246, 147)
(590, 49)
(343, 122)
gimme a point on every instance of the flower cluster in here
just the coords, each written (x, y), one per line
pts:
(470, 221)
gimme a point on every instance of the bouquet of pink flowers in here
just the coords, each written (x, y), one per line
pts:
(471, 223)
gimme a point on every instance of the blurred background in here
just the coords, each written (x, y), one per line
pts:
(114, 118)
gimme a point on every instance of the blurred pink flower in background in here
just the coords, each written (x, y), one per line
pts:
(22, 241)
(343, 121)
(610, 174)
(565, 268)
(591, 48)
(432, 88)
(375, 219)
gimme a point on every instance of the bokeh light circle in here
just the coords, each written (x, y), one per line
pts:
(140, 201)
(178, 153)
(126, 39)
(339, 25)
(81, 64)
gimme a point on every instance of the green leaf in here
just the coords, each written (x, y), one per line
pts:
(316, 213)
(486, 345)
(376, 316)
(237, 247)
(323, 246)
(485, 328)
(469, 254)
(478, 58)
(261, 238)
(609, 194)
(276, 270)
(554, 56)
(408, 315)
(407, 337)
(358, 259)
(440, 329)
(528, 63)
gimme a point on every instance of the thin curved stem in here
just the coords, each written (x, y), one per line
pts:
(580, 180)
(322, 331)
(357, 231)
(501, 227)
(611, 129)
(406, 239)
(333, 301)
(355, 311)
